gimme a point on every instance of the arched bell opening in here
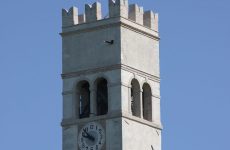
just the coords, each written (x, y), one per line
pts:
(101, 96)
(135, 98)
(83, 97)
(147, 102)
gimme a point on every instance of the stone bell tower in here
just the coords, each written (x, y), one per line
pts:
(111, 78)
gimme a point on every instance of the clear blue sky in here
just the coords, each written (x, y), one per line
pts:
(195, 73)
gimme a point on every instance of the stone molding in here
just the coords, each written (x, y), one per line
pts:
(108, 23)
(67, 92)
(140, 73)
(134, 27)
(112, 115)
(156, 96)
(89, 71)
(109, 68)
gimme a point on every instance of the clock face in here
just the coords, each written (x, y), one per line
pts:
(91, 137)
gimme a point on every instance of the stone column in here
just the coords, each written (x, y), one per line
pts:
(76, 105)
(141, 103)
(93, 102)
(129, 100)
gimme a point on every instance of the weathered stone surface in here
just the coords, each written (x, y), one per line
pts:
(119, 49)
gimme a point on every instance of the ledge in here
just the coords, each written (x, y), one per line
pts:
(108, 23)
(109, 68)
(71, 122)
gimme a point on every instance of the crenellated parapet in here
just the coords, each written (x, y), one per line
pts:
(117, 8)
(136, 13)
(93, 12)
(151, 20)
(81, 18)
(70, 17)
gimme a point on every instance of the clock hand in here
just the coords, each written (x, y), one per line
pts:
(90, 137)
(86, 132)
(85, 136)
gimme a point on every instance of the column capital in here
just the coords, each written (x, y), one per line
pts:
(92, 89)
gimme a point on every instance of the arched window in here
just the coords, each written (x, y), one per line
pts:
(102, 96)
(147, 102)
(135, 98)
(84, 99)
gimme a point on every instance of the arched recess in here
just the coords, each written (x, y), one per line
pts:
(147, 102)
(83, 99)
(135, 98)
(101, 96)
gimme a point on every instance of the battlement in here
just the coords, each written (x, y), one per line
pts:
(136, 13)
(70, 17)
(151, 20)
(93, 13)
(117, 8)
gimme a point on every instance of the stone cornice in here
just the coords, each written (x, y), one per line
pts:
(112, 115)
(131, 25)
(108, 23)
(67, 92)
(90, 71)
(140, 73)
(109, 68)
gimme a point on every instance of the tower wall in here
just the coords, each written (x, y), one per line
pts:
(120, 48)
(140, 51)
(82, 51)
(134, 132)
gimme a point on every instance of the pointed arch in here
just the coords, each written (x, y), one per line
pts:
(147, 102)
(135, 98)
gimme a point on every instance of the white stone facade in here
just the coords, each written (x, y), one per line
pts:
(132, 54)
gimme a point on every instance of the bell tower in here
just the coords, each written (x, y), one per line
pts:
(111, 78)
